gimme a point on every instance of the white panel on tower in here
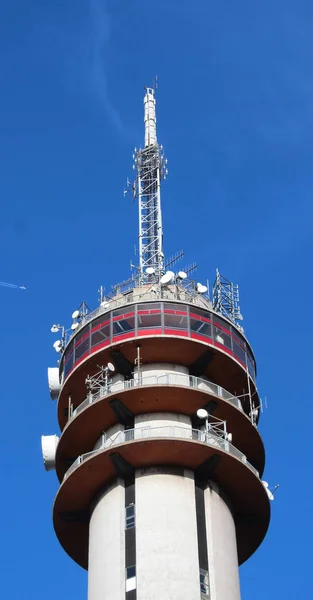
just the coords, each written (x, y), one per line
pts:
(49, 445)
(150, 118)
(54, 382)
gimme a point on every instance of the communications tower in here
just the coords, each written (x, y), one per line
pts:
(159, 458)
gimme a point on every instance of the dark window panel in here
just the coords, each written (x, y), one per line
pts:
(123, 311)
(200, 313)
(149, 321)
(201, 327)
(99, 336)
(175, 322)
(221, 323)
(82, 349)
(123, 326)
(131, 572)
(239, 352)
(69, 365)
(221, 337)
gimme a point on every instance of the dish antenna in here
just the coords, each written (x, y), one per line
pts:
(54, 382)
(74, 326)
(150, 270)
(167, 277)
(111, 367)
(75, 314)
(268, 491)
(181, 275)
(201, 288)
(105, 304)
(48, 448)
(54, 328)
(58, 346)
(202, 413)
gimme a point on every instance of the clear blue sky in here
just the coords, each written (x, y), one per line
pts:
(235, 115)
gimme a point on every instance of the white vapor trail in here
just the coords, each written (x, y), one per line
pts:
(101, 33)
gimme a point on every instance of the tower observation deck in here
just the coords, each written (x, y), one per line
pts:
(159, 458)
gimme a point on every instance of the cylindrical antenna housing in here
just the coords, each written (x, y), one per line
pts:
(150, 118)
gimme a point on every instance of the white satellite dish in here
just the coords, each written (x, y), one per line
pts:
(111, 367)
(167, 277)
(202, 413)
(268, 491)
(54, 382)
(182, 275)
(49, 445)
(150, 270)
(58, 346)
(54, 329)
(75, 314)
(74, 326)
(201, 288)
(229, 437)
(105, 304)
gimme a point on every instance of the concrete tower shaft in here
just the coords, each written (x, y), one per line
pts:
(158, 499)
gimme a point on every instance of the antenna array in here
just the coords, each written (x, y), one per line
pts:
(226, 298)
(150, 165)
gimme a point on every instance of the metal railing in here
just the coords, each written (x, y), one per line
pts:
(177, 379)
(163, 432)
(141, 295)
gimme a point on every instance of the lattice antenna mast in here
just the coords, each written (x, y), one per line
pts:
(226, 298)
(151, 169)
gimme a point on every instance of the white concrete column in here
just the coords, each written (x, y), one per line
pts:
(163, 373)
(166, 537)
(222, 548)
(117, 383)
(168, 425)
(164, 419)
(112, 436)
(106, 571)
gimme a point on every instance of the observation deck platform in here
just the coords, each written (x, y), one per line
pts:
(172, 332)
(162, 446)
(175, 393)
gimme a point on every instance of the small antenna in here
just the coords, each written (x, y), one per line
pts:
(131, 188)
(101, 291)
(174, 259)
(191, 268)
(270, 492)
